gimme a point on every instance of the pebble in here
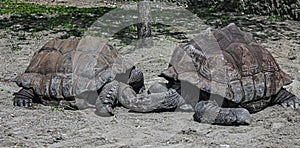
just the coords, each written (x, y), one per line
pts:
(292, 55)
(224, 146)
(277, 125)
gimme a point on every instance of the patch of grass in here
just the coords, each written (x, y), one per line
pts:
(2, 36)
(16, 48)
(204, 12)
(15, 7)
(168, 37)
(225, 18)
(20, 145)
(21, 36)
(132, 28)
(129, 34)
(32, 17)
(8, 30)
(274, 18)
(57, 108)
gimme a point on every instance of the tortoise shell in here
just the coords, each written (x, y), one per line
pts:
(229, 63)
(64, 68)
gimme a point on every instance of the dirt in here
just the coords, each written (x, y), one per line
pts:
(46, 126)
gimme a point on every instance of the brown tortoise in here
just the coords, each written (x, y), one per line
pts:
(226, 68)
(78, 74)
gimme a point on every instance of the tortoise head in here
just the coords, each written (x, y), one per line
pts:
(136, 80)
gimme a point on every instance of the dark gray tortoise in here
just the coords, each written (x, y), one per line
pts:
(229, 73)
(79, 74)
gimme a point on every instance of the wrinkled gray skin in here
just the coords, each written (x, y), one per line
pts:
(194, 74)
(79, 74)
(130, 96)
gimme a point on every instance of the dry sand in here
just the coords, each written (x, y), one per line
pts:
(43, 126)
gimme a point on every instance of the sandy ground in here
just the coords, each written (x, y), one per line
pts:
(45, 126)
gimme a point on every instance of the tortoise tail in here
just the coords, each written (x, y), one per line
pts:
(25, 98)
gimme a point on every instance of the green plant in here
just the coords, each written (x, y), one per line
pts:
(21, 36)
(2, 36)
(15, 7)
(20, 145)
(34, 17)
(16, 48)
(132, 28)
(225, 18)
(273, 18)
(57, 108)
(168, 37)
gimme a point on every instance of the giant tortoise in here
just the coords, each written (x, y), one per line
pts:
(78, 74)
(224, 75)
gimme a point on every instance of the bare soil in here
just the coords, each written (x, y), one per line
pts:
(45, 126)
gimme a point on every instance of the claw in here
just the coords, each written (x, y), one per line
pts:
(109, 109)
(23, 98)
(26, 103)
(296, 105)
(22, 102)
(287, 99)
(104, 110)
(284, 104)
(291, 103)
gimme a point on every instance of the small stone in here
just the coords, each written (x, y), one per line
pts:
(292, 54)
(292, 57)
(277, 125)
(224, 146)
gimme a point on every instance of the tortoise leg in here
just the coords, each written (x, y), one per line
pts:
(107, 99)
(154, 102)
(210, 112)
(25, 98)
(157, 88)
(162, 87)
(286, 99)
